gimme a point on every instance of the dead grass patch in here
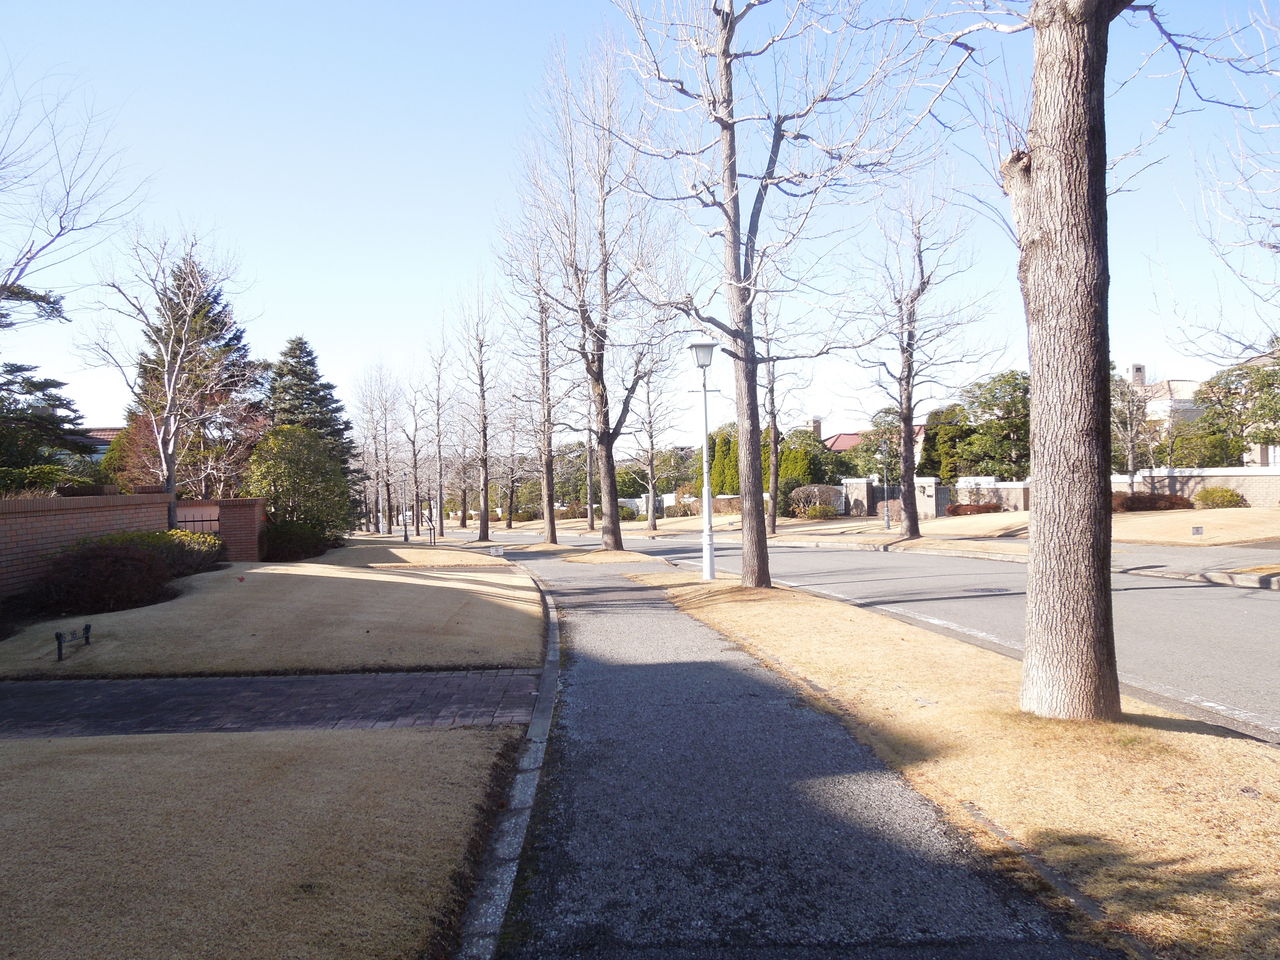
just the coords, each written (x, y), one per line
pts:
(1265, 570)
(307, 845)
(1172, 824)
(274, 618)
(610, 556)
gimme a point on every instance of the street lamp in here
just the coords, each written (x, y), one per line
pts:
(702, 354)
(404, 502)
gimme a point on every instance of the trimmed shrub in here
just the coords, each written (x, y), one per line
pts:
(44, 476)
(183, 552)
(821, 511)
(1219, 498)
(102, 577)
(969, 509)
(524, 516)
(626, 513)
(1140, 502)
(288, 540)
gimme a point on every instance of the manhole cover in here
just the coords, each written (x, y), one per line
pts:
(986, 590)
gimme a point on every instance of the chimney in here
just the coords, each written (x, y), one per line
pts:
(816, 427)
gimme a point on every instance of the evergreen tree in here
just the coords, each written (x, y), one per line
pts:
(720, 463)
(944, 430)
(298, 397)
(999, 409)
(36, 422)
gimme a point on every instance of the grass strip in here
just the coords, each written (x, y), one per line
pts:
(1171, 824)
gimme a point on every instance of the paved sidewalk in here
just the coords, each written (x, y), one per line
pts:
(693, 806)
(80, 708)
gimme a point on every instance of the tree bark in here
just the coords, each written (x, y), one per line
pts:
(1057, 189)
(546, 435)
(906, 414)
(651, 464)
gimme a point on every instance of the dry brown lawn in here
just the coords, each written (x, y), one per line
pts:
(612, 556)
(335, 613)
(264, 846)
(1172, 824)
(1171, 527)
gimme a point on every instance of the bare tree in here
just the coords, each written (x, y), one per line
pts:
(60, 192)
(478, 343)
(173, 297)
(378, 411)
(786, 111)
(599, 238)
(921, 347)
(436, 396)
(543, 354)
(656, 411)
(1131, 429)
(414, 410)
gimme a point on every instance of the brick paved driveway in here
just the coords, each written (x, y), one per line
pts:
(80, 708)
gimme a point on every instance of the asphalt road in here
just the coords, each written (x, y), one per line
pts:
(1213, 650)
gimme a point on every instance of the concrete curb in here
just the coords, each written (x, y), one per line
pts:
(487, 909)
(1248, 581)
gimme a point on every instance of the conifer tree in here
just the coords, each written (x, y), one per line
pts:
(298, 397)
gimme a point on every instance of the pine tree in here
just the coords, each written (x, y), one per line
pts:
(298, 397)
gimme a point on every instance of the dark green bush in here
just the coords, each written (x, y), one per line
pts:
(44, 476)
(1219, 498)
(101, 577)
(183, 552)
(626, 513)
(288, 540)
(1139, 502)
(524, 516)
(820, 511)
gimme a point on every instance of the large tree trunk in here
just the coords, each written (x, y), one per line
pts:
(462, 517)
(755, 544)
(651, 518)
(483, 532)
(1057, 188)
(610, 523)
(906, 411)
(548, 494)
(511, 495)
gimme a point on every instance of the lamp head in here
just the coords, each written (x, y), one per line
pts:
(702, 353)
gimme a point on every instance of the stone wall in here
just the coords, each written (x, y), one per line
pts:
(1259, 485)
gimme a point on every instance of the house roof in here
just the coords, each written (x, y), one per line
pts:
(100, 436)
(842, 442)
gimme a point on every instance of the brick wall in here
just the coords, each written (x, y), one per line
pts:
(239, 524)
(32, 531)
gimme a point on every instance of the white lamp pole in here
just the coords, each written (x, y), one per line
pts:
(702, 354)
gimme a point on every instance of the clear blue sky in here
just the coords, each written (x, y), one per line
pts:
(356, 162)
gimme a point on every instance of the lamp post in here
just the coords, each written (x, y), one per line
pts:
(702, 354)
(404, 502)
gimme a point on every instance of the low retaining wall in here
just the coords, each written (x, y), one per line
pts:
(33, 531)
(1259, 485)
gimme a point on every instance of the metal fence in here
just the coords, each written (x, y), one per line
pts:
(206, 525)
